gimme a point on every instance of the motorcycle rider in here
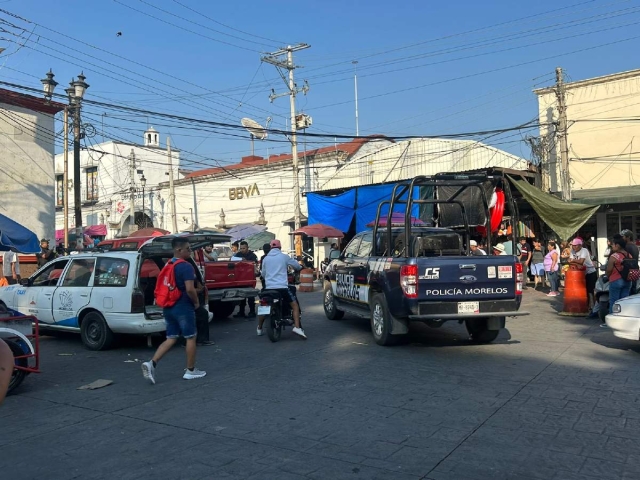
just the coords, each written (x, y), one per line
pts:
(274, 272)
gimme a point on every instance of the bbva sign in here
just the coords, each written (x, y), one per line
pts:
(239, 193)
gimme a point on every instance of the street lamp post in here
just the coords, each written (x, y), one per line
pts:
(76, 94)
(143, 183)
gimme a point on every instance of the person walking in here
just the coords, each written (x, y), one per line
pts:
(11, 267)
(551, 262)
(180, 319)
(537, 263)
(524, 251)
(618, 287)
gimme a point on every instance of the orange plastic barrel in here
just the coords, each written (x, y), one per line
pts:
(575, 292)
(306, 280)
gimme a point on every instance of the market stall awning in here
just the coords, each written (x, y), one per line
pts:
(564, 218)
(257, 240)
(17, 238)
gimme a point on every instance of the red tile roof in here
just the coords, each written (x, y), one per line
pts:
(255, 161)
(30, 102)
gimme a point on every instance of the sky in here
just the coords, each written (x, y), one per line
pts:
(424, 67)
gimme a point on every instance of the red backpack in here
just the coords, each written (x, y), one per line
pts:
(166, 291)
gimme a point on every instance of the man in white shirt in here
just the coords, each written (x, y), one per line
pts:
(11, 267)
(581, 256)
(276, 277)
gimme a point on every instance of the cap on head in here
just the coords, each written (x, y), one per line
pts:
(275, 243)
(499, 247)
(44, 240)
(473, 243)
(576, 241)
(627, 233)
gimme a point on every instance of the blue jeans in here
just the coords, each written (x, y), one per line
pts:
(554, 280)
(618, 289)
(180, 320)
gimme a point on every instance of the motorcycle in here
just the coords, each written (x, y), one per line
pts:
(277, 312)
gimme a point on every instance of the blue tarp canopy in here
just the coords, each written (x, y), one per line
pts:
(362, 203)
(17, 238)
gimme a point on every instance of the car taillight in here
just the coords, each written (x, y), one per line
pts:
(137, 302)
(409, 280)
(519, 278)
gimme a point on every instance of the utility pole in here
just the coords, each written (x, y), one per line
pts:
(65, 177)
(355, 83)
(132, 189)
(281, 64)
(172, 191)
(562, 135)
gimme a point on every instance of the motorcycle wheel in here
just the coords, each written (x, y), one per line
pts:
(274, 329)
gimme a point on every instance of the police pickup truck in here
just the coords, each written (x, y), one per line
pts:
(398, 274)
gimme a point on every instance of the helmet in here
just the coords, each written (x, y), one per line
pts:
(275, 243)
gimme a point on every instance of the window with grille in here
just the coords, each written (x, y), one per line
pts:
(92, 183)
(59, 190)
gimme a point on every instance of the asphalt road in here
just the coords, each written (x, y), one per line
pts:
(553, 398)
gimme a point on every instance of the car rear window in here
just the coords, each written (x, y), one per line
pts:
(438, 245)
(111, 272)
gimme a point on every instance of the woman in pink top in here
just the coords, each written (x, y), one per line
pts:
(551, 261)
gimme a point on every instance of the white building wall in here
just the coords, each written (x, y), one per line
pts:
(421, 156)
(26, 161)
(114, 182)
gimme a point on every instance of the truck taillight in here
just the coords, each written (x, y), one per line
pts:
(409, 280)
(137, 302)
(519, 278)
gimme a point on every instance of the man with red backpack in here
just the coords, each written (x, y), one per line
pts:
(176, 293)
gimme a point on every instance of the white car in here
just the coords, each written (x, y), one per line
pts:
(99, 294)
(625, 318)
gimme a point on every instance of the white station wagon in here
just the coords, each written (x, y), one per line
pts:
(99, 294)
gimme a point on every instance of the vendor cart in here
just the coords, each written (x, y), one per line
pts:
(22, 336)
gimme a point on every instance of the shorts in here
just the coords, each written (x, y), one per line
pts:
(286, 293)
(537, 269)
(180, 320)
(591, 279)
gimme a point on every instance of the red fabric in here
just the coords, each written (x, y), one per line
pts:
(617, 267)
(318, 230)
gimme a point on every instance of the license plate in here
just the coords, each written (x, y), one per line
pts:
(264, 310)
(468, 307)
(230, 293)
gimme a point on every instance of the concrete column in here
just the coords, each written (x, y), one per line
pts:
(601, 242)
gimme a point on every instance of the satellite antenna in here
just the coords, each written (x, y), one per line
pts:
(255, 130)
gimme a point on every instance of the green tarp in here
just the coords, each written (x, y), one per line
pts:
(564, 218)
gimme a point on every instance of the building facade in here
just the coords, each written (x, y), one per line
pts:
(603, 114)
(109, 171)
(27, 143)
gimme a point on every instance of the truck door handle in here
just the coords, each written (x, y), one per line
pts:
(84, 294)
(467, 267)
(231, 275)
(48, 294)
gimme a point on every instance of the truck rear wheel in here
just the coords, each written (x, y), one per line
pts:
(330, 309)
(479, 331)
(221, 309)
(381, 321)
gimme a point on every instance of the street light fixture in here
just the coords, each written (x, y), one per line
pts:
(49, 85)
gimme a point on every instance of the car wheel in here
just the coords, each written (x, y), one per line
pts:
(95, 333)
(222, 309)
(478, 331)
(381, 321)
(330, 308)
(17, 376)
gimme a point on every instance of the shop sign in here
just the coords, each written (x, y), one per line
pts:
(239, 193)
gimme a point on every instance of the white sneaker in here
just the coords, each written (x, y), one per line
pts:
(193, 374)
(259, 332)
(300, 332)
(149, 371)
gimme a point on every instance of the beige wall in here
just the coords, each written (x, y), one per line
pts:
(601, 153)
